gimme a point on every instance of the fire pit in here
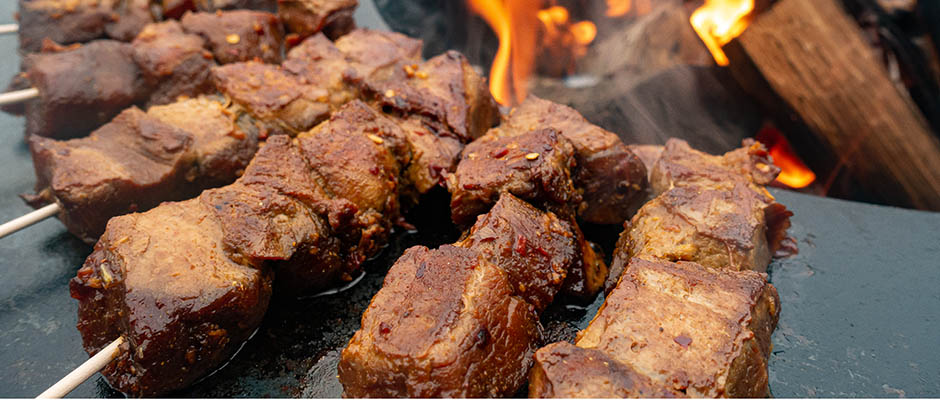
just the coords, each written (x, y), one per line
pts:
(857, 301)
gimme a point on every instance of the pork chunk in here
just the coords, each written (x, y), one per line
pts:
(174, 63)
(701, 331)
(238, 35)
(307, 17)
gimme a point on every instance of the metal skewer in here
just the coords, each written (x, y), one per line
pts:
(83, 372)
(18, 96)
(28, 219)
(9, 28)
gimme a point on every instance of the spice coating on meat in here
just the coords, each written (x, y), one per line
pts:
(563, 370)
(79, 21)
(161, 280)
(612, 179)
(712, 210)
(462, 321)
(137, 161)
(81, 89)
(238, 35)
(306, 17)
(173, 63)
(309, 86)
(307, 210)
(534, 166)
(701, 331)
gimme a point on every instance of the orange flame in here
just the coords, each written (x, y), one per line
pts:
(617, 8)
(719, 21)
(517, 25)
(793, 172)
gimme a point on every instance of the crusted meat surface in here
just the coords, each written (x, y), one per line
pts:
(173, 63)
(307, 17)
(534, 166)
(612, 179)
(238, 35)
(137, 161)
(462, 321)
(310, 85)
(700, 331)
(81, 89)
(712, 210)
(79, 21)
(563, 370)
(307, 210)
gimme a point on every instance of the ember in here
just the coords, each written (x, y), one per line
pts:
(793, 172)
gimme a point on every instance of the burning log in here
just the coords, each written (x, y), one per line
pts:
(814, 60)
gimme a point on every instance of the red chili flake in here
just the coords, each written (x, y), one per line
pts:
(500, 153)
(521, 245)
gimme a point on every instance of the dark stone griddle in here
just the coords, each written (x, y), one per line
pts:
(860, 303)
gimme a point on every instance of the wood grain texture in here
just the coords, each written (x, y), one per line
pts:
(815, 58)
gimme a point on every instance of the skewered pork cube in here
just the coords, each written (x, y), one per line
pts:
(700, 331)
(238, 35)
(681, 165)
(462, 321)
(534, 166)
(306, 17)
(612, 178)
(78, 21)
(563, 370)
(176, 8)
(163, 281)
(80, 89)
(139, 160)
(173, 63)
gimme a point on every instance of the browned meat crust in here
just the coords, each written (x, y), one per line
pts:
(691, 329)
(712, 210)
(307, 210)
(238, 35)
(563, 370)
(612, 179)
(534, 166)
(173, 63)
(701, 331)
(137, 161)
(81, 89)
(177, 8)
(307, 17)
(539, 145)
(79, 21)
(462, 321)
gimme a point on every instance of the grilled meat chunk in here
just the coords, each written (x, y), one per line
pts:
(307, 17)
(310, 84)
(307, 210)
(162, 281)
(712, 210)
(700, 331)
(79, 21)
(681, 165)
(563, 370)
(462, 321)
(137, 161)
(534, 166)
(238, 35)
(177, 8)
(82, 88)
(174, 63)
(612, 178)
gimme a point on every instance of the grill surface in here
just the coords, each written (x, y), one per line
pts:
(859, 303)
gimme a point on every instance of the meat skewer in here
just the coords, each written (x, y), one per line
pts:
(22, 222)
(689, 314)
(310, 208)
(9, 28)
(18, 96)
(81, 374)
(214, 141)
(462, 320)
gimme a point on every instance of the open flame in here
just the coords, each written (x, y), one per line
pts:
(719, 21)
(793, 172)
(525, 28)
(617, 8)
